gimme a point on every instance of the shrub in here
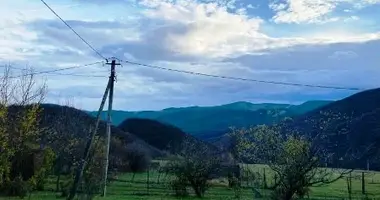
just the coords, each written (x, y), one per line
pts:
(196, 164)
(179, 186)
(65, 187)
(17, 187)
(137, 158)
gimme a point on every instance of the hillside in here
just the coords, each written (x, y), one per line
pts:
(68, 120)
(208, 122)
(351, 126)
(162, 136)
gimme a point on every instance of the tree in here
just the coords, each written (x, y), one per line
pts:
(296, 160)
(60, 135)
(195, 166)
(20, 99)
(137, 158)
(92, 180)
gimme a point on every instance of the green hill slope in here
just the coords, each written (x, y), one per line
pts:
(159, 135)
(68, 120)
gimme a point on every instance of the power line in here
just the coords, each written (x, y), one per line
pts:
(245, 79)
(80, 75)
(88, 44)
(54, 70)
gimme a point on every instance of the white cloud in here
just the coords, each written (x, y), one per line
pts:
(188, 35)
(343, 55)
(207, 28)
(211, 31)
(298, 11)
(313, 11)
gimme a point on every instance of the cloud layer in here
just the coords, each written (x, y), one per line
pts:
(327, 42)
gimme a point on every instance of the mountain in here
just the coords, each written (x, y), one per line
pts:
(242, 105)
(308, 106)
(162, 136)
(212, 121)
(68, 120)
(351, 128)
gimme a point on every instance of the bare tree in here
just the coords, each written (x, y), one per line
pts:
(23, 88)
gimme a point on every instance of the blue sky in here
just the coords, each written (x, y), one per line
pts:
(324, 42)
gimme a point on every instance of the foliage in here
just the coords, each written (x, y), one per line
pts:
(92, 180)
(17, 187)
(19, 130)
(157, 134)
(6, 152)
(61, 136)
(179, 186)
(41, 174)
(195, 166)
(295, 159)
(234, 182)
(137, 158)
(65, 186)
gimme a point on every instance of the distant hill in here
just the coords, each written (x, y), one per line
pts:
(68, 120)
(162, 136)
(206, 122)
(352, 126)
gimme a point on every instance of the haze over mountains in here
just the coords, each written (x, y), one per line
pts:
(213, 121)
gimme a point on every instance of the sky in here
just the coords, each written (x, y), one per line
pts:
(316, 42)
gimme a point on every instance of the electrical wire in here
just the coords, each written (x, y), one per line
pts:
(53, 71)
(80, 75)
(244, 79)
(88, 44)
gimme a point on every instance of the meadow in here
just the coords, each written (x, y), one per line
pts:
(156, 187)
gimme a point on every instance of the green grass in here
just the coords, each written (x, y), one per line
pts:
(337, 189)
(125, 188)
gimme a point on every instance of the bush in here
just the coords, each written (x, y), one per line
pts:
(17, 187)
(40, 176)
(137, 158)
(40, 180)
(179, 186)
(196, 165)
(65, 187)
(91, 184)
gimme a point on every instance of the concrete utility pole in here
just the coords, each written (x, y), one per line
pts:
(109, 122)
(88, 147)
(82, 165)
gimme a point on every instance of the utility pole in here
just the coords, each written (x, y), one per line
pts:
(88, 147)
(109, 121)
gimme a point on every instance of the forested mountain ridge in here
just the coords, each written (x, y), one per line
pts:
(208, 122)
(163, 136)
(350, 127)
(65, 120)
(154, 137)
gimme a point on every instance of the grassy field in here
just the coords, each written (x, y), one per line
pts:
(338, 189)
(125, 188)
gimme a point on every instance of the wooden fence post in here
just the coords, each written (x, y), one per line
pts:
(147, 181)
(363, 183)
